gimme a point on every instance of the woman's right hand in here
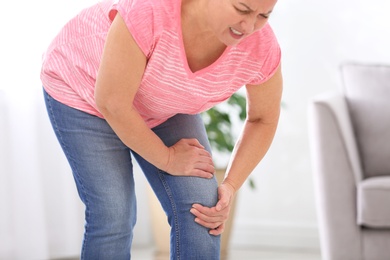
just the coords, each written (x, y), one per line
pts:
(189, 158)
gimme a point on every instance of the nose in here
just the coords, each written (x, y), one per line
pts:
(248, 24)
(251, 24)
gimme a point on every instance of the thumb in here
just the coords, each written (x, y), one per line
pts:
(223, 201)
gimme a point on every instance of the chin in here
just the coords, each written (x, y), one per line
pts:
(228, 41)
(232, 42)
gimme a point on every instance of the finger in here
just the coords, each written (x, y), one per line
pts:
(204, 152)
(206, 162)
(205, 167)
(201, 174)
(208, 211)
(202, 209)
(204, 156)
(222, 203)
(207, 218)
(205, 159)
(217, 231)
(194, 142)
(225, 197)
(206, 224)
(215, 219)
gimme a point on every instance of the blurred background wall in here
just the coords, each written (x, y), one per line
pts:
(40, 214)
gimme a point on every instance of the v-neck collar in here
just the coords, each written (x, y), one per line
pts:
(183, 53)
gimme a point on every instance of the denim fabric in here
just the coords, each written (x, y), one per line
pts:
(103, 172)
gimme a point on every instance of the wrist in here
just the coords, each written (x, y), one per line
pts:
(231, 184)
(164, 160)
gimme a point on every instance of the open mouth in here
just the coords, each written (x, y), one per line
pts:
(235, 34)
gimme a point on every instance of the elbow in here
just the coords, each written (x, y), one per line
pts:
(109, 105)
(101, 104)
(270, 116)
(263, 120)
(110, 102)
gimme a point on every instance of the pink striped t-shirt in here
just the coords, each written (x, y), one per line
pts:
(168, 85)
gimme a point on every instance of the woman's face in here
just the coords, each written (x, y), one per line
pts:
(234, 20)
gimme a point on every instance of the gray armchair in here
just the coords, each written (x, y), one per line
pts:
(350, 147)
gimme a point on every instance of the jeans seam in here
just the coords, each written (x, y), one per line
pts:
(61, 140)
(174, 211)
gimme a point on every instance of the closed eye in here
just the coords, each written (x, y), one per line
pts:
(242, 11)
(249, 11)
(266, 16)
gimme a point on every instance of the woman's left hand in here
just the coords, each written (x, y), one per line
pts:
(214, 218)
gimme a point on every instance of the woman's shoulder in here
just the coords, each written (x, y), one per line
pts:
(261, 42)
(161, 14)
(166, 12)
(263, 49)
(146, 19)
(162, 9)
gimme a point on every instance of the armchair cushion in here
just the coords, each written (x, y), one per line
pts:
(374, 202)
(367, 89)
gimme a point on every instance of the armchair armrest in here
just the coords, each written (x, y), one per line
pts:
(336, 105)
(336, 171)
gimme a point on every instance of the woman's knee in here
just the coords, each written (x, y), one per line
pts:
(186, 233)
(193, 241)
(198, 190)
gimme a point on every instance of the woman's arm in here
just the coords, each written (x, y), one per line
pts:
(119, 77)
(263, 109)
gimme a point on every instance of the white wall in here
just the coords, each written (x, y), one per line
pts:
(316, 37)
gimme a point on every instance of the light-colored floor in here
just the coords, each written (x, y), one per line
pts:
(235, 254)
(244, 254)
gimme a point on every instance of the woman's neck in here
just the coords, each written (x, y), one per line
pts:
(201, 45)
(194, 18)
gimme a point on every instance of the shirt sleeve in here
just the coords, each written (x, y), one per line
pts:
(138, 16)
(271, 55)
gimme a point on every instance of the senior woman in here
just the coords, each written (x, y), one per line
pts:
(128, 78)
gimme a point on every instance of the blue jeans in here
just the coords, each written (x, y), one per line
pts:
(103, 172)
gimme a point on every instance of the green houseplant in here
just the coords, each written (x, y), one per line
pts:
(219, 122)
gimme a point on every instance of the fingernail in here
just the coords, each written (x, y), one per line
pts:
(212, 233)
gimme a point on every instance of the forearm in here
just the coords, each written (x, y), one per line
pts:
(252, 145)
(134, 133)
